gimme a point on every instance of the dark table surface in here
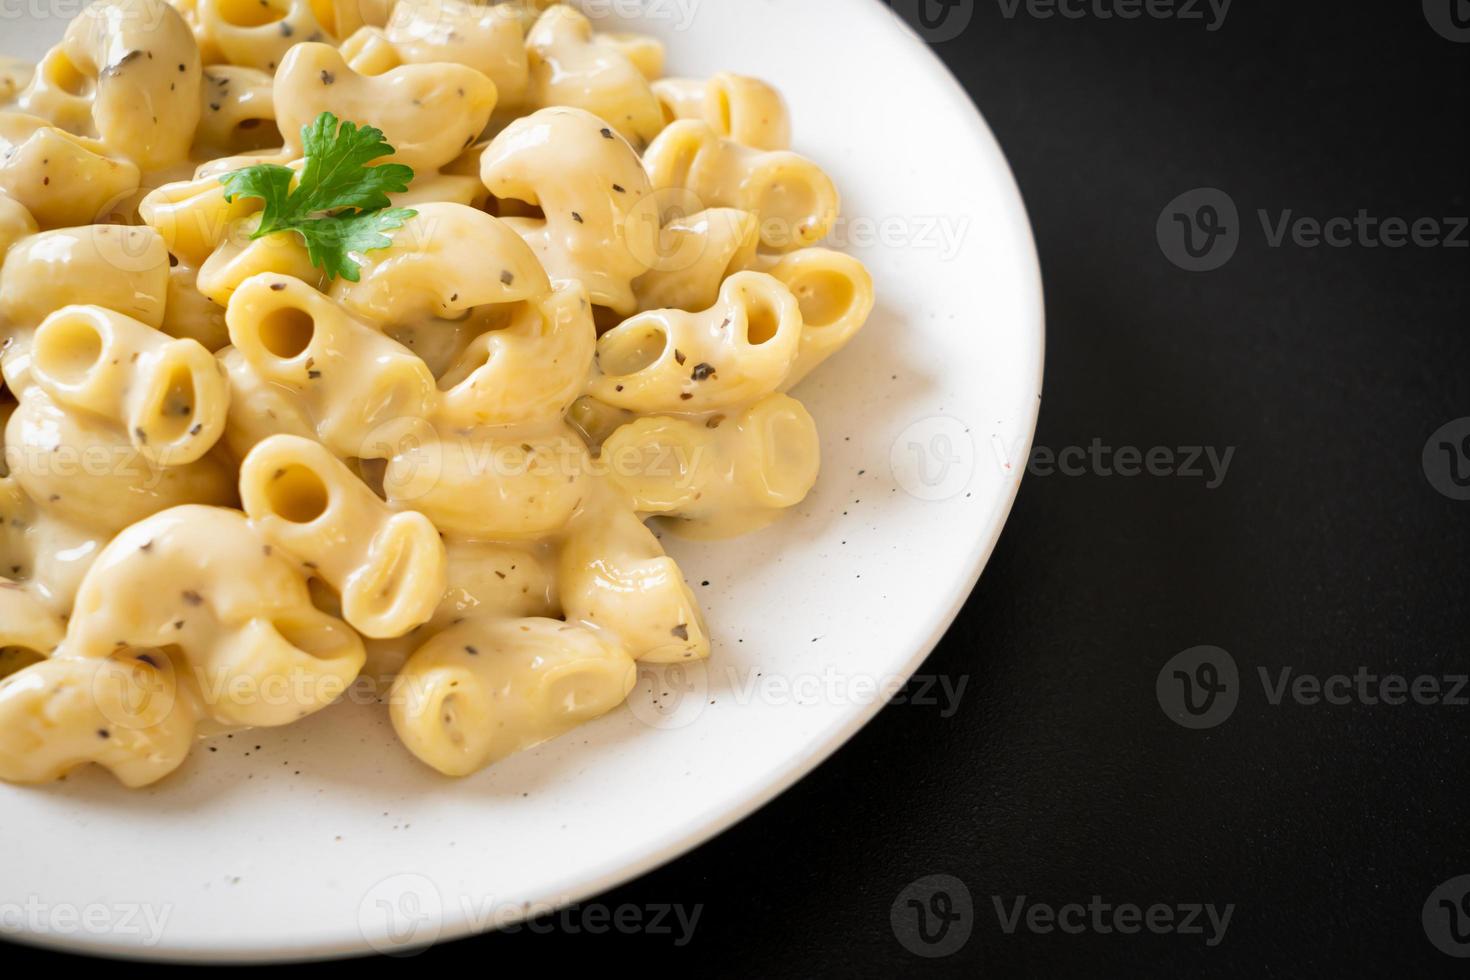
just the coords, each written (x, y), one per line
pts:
(1077, 821)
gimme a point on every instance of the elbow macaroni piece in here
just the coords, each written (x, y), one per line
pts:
(738, 350)
(720, 476)
(429, 113)
(835, 293)
(236, 618)
(237, 113)
(128, 73)
(389, 568)
(491, 482)
(531, 368)
(168, 395)
(598, 225)
(120, 714)
(794, 200)
(568, 68)
(483, 690)
(736, 107)
(351, 382)
(696, 253)
(615, 576)
(443, 262)
(114, 266)
(61, 179)
(86, 470)
(489, 39)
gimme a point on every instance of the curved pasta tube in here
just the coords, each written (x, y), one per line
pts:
(259, 408)
(389, 568)
(427, 112)
(721, 476)
(240, 624)
(168, 394)
(84, 468)
(697, 253)
(126, 72)
(193, 216)
(26, 624)
(121, 268)
(589, 183)
(484, 689)
(644, 52)
(122, 715)
(615, 576)
(189, 314)
(489, 39)
(796, 202)
(257, 33)
(237, 113)
(443, 262)
(486, 579)
(353, 383)
(59, 178)
(738, 350)
(45, 552)
(568, 68)
(16, 223)
(835, 293)
(489, 482)
(240, 257)
(531, 368)
(736, 107)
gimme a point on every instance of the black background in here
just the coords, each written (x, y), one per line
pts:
(1325, 549)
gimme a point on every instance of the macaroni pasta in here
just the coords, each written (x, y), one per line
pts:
(361, 339)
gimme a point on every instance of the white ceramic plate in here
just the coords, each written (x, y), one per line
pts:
(327, 838)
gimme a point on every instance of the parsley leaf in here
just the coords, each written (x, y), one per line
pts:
(340, 205)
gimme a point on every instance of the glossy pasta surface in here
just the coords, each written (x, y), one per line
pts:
(408, 439)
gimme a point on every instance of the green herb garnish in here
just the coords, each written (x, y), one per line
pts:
(340, 205)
